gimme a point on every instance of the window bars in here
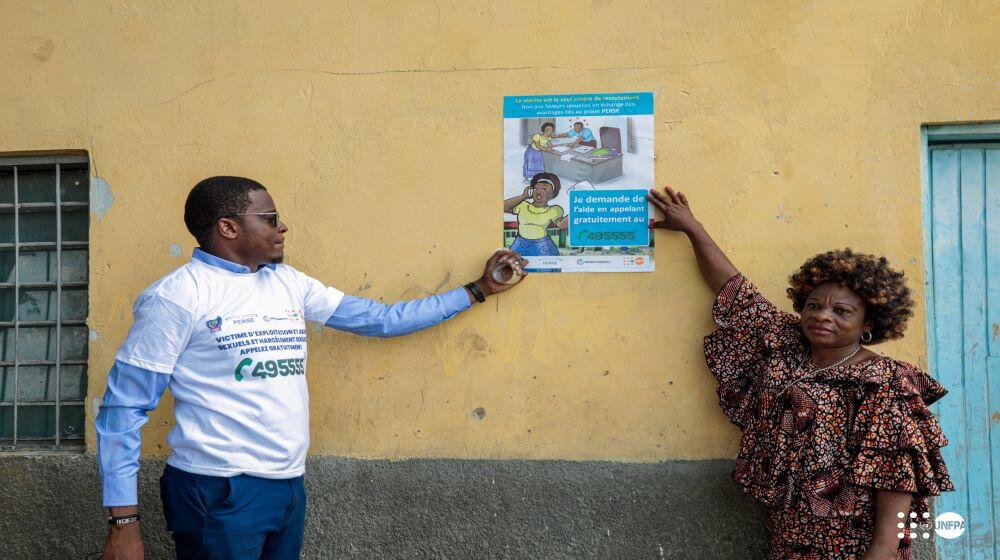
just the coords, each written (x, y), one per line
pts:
(44, 231)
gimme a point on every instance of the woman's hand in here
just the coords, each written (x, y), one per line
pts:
(677, 215)
(510, 203)
(715, 267)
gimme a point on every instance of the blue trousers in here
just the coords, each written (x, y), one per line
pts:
(240, 517)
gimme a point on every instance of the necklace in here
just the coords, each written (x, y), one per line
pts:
(842, 360)
(814, 373)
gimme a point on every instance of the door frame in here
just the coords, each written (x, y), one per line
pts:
(954, 132)
(933, 133)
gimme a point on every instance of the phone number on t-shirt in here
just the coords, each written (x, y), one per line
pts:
(271, 368)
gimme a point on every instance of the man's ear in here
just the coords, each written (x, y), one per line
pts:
(227, 228)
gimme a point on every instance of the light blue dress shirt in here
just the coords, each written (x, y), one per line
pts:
(132, 391)
(586, 135)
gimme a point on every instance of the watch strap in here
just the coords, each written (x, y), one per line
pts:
(476, 292)
(123, 519)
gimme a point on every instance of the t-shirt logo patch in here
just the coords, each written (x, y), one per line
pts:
(294, 314)
(214, 325)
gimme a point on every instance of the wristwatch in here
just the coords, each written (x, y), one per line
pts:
(476, 292)
(124, 519)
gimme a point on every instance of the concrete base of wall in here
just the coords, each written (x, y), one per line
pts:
(50, 508)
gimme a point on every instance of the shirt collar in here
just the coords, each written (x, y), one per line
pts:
(219, 262)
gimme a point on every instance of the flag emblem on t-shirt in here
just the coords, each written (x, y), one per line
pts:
(295, 314)
(214, 324)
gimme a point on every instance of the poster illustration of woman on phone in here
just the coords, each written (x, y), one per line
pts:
(535, 217)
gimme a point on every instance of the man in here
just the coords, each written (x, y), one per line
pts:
(226, 332)
(581, 135)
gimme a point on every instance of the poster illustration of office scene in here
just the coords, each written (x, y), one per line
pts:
(576, 172)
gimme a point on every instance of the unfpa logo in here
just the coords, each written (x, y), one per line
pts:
(948, 525)
(924, 526)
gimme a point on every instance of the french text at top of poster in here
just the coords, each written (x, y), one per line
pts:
(528, 106)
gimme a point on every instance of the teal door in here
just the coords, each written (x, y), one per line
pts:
(963, 293)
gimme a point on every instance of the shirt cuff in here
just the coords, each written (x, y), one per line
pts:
(120, 491)
(456, 300)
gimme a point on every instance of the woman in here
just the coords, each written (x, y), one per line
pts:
(534, 218)
(540, 142)
(837, 441)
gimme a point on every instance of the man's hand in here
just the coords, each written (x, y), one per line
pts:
(501, 257)
(124, 542)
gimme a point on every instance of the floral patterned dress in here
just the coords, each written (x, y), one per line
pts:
(816, 450)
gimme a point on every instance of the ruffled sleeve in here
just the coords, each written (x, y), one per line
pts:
(898, 439)
(750, 328)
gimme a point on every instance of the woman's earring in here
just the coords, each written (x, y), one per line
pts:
(868, 334)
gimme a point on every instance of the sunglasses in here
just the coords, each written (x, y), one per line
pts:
(271, 217)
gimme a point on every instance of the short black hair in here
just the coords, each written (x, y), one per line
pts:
(548, 124)
(578, 123)
(551, 177)
(213, 199)
(888, 305)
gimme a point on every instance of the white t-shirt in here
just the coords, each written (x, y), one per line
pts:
(235, 347)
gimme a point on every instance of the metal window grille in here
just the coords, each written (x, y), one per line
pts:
(44, 232)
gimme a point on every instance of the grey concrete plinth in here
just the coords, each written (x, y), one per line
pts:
(50, 508)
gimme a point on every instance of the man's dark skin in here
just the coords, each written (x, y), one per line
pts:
(252, 241)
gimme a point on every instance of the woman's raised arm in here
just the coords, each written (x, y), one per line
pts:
(715, 267)
(510, 203)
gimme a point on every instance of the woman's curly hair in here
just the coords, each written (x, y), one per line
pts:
(888, 305)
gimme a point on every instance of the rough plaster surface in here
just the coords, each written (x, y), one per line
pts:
(530, 510)
(792, 126)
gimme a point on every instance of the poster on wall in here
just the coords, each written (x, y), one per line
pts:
(576, 170)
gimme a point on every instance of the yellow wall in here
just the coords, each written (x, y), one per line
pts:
(793, 127)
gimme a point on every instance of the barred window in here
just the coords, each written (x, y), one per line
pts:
(44, 227)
